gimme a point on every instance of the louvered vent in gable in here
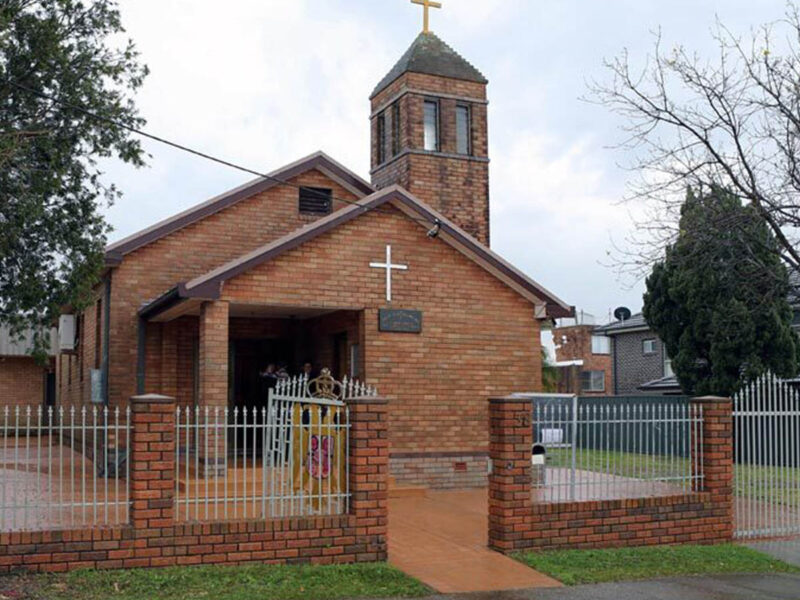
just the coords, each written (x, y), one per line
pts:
(316, 201)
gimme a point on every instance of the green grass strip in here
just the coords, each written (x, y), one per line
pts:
(232, 583)
(573, 567)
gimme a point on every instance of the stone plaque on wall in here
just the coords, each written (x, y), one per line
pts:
(400, 321)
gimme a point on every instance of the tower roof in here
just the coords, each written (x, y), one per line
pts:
(430, 55)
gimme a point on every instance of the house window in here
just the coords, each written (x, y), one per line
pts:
(395, 129)
(381, 138)
(649, 346)
(463, 129)
(316, 201)
(668, 372)
(432, 125)
(593, 381)
(601, 344)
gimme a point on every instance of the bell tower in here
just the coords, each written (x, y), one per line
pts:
(430, 133)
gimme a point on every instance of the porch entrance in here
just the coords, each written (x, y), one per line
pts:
(269, 344)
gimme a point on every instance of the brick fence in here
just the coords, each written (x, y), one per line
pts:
(152, 538)
(704, 516)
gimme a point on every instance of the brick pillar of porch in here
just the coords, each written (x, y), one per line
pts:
(510, 441)
(716, 444)
(213, 386)
(369, 476)
(152, 470)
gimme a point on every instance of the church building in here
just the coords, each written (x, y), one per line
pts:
(391, 281)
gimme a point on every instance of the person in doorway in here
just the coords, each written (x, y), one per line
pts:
(308, 370)
(282, 373)
(269, 376)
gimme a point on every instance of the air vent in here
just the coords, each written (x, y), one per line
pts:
(315, 201)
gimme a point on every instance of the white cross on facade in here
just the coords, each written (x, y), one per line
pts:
(388, 266)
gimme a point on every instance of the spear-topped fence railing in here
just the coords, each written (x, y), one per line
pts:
(285, 458)
(63, 467)
(597, 448)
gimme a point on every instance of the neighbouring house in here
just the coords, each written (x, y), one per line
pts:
(583, 357)
(23, 381)
(391, 281)
(640, 363)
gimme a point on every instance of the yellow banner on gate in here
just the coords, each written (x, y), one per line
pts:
(319, 454)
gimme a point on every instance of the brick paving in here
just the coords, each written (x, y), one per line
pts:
(440, 537)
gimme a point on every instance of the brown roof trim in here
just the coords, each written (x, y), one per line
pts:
(319, 160)
(556, 308)
(211, 281)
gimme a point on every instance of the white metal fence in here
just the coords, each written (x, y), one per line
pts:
(767, 456)
(611, 448)
(63, 467)
(285, 459)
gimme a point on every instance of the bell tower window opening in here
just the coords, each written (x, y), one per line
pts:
(463, 129)
(396, 129)
(381, 138)
(431, 125)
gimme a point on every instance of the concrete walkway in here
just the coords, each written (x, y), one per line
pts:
(723, 587)
(440, 538)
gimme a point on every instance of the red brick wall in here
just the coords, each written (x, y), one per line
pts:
(516, 523)
(150, 271)
(153, 539)
(457, 186)
(575, 343)
(479, 337)
(21, 382)
(73, 379)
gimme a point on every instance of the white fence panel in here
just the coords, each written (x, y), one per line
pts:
(63, 468)
(615, 447)
(288, 458)
(767, 459)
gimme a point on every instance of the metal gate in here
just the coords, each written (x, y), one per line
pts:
(767, 459)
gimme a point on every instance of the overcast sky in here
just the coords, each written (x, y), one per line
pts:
(263, 82)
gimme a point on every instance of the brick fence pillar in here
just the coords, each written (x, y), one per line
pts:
(152, 466)
(716, 444)
(510, 441)
(369, 476)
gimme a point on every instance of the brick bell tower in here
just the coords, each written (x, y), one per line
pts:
(430, 134)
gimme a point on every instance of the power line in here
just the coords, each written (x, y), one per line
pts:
(198, 153)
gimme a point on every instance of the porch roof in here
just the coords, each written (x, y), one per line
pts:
(209, 286)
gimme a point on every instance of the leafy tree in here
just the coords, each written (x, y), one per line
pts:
(718, 300)
(730, 119)
(65, 102)
(549, 373)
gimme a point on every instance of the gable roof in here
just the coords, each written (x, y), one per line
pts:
(209, 285)
(319, 161)
(428, 54)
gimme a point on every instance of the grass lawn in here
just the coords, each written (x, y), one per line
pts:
(777, 485)
(574, 567)
(219, 583)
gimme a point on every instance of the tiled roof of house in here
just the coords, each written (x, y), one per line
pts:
(430, 55)
(636, 321)
(663, 384)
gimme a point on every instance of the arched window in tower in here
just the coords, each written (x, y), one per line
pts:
(431, 125)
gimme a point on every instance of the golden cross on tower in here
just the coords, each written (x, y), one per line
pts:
(428, 4)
